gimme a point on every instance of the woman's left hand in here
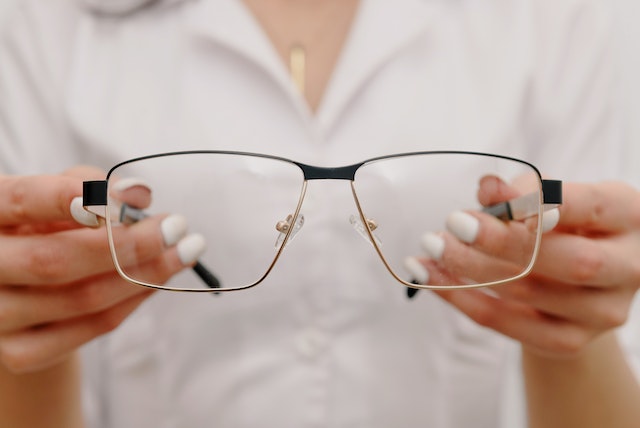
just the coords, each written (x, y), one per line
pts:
(583, 282)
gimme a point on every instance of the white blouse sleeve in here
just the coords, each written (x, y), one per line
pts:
(35, 44)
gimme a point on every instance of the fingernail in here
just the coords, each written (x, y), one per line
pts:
(433, 245)
(127, 183)
(418, 272)
(173, 229)
(464, 226)
(81, 215)
(550, 219)
(190, 248)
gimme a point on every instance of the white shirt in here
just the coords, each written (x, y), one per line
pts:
(329, 340)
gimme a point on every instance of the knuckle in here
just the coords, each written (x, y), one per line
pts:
(165, 267)
(16, 359)
(569, 344)
(524, 291)
(612, 316)
(146, 249)
(586, 264)
(137, 243)
(48, 263)
(628, 201)
(6, 316)
(613, 319)
(87, 298)
(500, 240)
(598, 207)
(107, 321)
(634, 212)
(17, 192)
(485, 316)
(634, 267)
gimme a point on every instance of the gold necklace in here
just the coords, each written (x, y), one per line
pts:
(297, 27)
(298, 66)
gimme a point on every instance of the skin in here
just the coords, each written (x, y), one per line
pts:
(50, 304)
(320, 26)
(77, 302)
(563, 314)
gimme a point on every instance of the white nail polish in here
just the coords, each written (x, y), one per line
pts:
(419, 273)
(173, 229)
(129, 182)
(190, 248)
(550, 219)
(81, 215)
(464, 226)
(433, 245)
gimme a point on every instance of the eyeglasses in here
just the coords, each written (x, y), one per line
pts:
(249, 207)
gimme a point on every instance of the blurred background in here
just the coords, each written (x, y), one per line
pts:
(4, 4)
(627, 34)
(627, 43)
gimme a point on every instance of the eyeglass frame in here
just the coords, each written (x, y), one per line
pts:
(95, 196)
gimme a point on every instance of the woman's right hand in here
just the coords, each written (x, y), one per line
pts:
(58, 285)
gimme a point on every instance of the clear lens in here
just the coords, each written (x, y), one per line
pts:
(409, 200)
(238, 203)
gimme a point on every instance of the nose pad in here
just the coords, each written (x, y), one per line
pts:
(359, 227)
(283, 227)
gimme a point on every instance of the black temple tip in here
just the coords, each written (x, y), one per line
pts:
(411, 292)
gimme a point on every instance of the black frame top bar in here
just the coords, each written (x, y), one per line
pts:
(95, 192)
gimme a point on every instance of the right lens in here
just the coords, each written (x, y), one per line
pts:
(235, 201)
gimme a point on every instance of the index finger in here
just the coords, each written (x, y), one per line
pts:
(37, 198)
(606, 207)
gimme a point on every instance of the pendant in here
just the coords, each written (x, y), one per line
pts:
(298, 66)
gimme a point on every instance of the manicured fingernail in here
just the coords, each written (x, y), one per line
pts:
(81, 215)
(127, 183)
(417, 270)
(433, 245)
(190, 248)
(173, 229)
(464, 226)
(550, 219)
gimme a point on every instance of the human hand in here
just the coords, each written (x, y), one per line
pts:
(58, 287)
(582, 283)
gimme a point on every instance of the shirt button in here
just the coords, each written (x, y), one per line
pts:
(311, 342)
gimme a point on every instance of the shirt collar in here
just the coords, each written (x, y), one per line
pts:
(381, 28)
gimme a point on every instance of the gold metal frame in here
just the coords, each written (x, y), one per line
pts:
(294, 218)
(524, 273)
(311, 173)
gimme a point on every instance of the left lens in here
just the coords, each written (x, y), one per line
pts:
(410, 198)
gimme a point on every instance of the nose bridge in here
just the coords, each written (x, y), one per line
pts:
(329, 173)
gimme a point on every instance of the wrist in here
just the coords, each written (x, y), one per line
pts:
(54, 392)
(592, 388)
